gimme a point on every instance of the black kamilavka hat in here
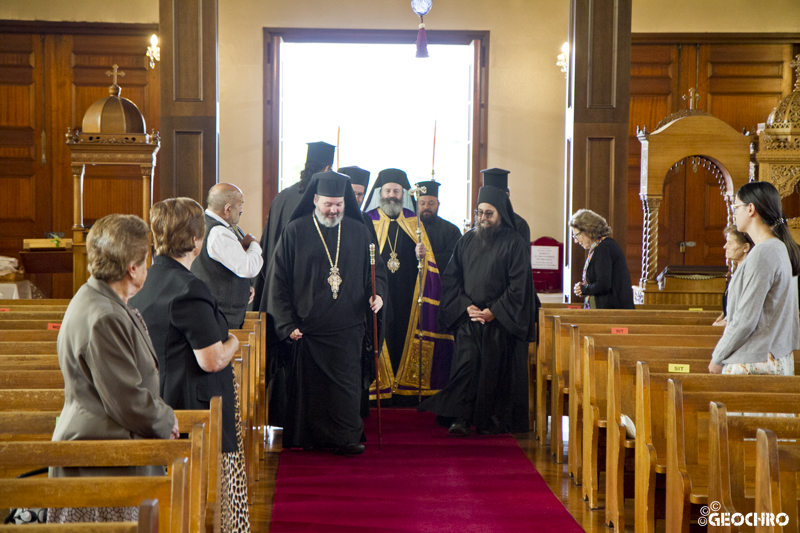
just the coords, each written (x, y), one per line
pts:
(495, 177)
(431, 188)
(358, 175)
(320, 152)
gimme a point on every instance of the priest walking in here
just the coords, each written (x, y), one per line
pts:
(391, 208)
(443, 235)
(488, 297)
(320, 293)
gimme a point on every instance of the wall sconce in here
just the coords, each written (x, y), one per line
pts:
(153, 51)
(563, 58)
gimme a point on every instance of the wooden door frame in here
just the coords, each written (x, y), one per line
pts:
(271, 119)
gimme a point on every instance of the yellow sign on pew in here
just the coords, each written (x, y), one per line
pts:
(683, 369)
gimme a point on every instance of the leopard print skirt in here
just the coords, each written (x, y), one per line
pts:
(233, 498)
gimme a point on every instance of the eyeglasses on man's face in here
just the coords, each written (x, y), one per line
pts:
(479, 214)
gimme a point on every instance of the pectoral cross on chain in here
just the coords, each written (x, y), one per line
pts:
(334, 280)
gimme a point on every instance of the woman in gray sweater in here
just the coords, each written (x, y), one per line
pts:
(763, 327)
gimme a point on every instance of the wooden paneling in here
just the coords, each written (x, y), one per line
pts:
(189, 96)
(47, 81)
(737, 83)
(597, 124)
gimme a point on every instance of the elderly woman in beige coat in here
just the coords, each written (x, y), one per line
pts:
(110, 367)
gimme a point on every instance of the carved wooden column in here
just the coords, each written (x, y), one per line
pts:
(598, 102)
(189, 96)
(651, 204)
(79, 262)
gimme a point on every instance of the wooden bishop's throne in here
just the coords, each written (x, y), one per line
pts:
(113, 133)
(717, 146)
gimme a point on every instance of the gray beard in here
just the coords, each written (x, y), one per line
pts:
(391, 209)
(327, 222)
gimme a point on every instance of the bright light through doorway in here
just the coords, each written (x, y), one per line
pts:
(384, 102)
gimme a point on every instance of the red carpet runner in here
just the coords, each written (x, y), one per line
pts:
(421, 481)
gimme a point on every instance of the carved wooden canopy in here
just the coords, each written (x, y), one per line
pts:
(698, 134)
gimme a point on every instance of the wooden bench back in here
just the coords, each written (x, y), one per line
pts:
(170, 492)
(8, 335)
(32, 315)
(777, 468)
(45, 302)
(732, 453)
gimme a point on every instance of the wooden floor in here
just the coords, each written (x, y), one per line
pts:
(554, 474)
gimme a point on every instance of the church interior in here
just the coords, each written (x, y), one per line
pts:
(656, 113)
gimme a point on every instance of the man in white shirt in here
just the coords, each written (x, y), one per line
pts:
(229, 259)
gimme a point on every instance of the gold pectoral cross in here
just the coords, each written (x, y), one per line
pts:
(335, 281)
(393, 264)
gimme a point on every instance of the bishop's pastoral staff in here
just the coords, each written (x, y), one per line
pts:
(489, 299)
(320, 297)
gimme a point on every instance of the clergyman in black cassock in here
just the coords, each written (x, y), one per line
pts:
(320, 287)
(488, 297)
(442, 234)
(318, 158)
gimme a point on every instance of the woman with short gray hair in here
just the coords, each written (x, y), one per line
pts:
(606, 281)
(111, 382)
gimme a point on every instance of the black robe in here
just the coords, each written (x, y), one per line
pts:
(401, 286)
(280, 212)
(489, 377)
(323, 375)
(443, 236)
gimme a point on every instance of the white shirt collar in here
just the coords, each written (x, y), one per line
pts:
(216, 217)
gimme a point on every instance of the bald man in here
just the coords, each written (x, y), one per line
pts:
(229, 259)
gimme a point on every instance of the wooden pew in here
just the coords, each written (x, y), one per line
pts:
(148, 523)
(595, 365)
(733, 457)
(23, 335)
(690, 449)
(20, 324)
(545, 350)
(30, 415)
(170, 491)
(777, 466)
(651, 405)
(32, 315)
(45, 302)
(567, 350)
(621, 394)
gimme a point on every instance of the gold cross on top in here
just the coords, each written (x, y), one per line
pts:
(692, 98)
(116, 72)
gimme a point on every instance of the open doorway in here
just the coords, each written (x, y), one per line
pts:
(380, 105)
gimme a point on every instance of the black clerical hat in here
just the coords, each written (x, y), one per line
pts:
(392, 175)
(431, 188)
(500, 201)
(320, 152)
(358, 175)
(331, 183)
(495, 177)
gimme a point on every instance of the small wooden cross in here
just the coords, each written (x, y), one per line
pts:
(795, 64)
(116, 72)
(692, 98)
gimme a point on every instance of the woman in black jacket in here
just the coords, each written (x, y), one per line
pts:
(606, 281)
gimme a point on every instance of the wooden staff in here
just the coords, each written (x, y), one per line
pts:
(375, 345)
(421, 263)
(433, 157)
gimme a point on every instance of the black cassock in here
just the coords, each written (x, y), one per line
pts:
(488, 378)
(443, 236)
(280, 212)
(323, 373)
(401, 285)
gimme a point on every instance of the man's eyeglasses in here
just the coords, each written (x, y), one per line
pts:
(479, 214)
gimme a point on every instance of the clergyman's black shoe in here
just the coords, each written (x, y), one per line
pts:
(350, 449)
(459, 428)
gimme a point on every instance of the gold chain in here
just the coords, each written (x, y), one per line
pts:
(393, 264)
(334, 279)
(394, 247)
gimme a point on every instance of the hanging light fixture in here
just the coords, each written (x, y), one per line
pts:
(421, 8)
